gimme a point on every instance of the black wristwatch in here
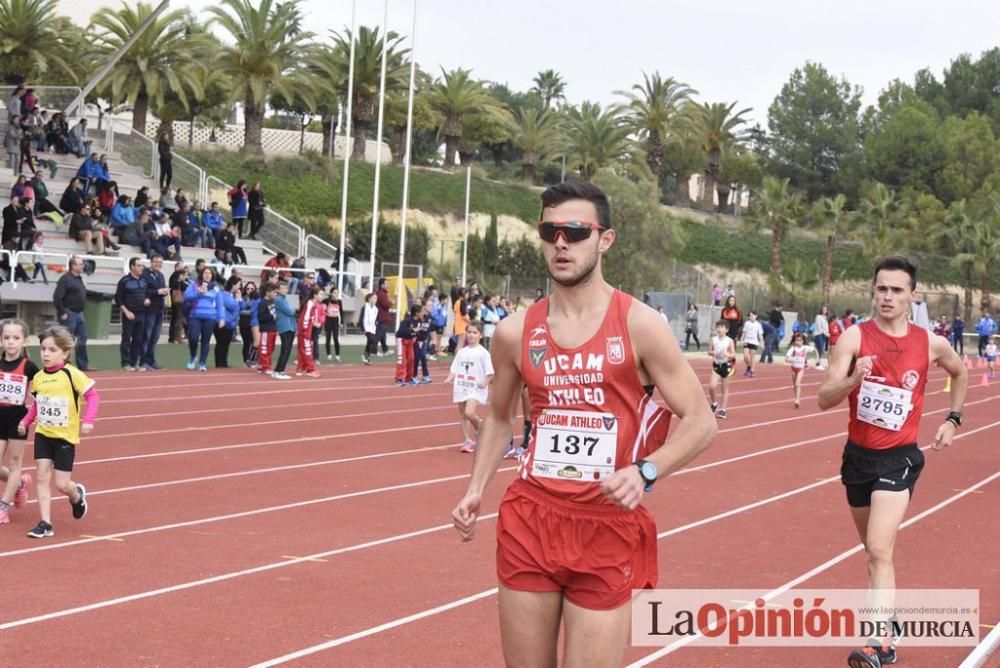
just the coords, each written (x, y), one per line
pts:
(648, 472)
(955, 418)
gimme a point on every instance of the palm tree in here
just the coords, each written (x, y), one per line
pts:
(325, 69)
(31, 37)
(454, 96)
(956, 238)
(594, 138)
(882, 218)
(717, 128)
(550, 86)
(490, 127)
(652, 111)
(831, 220)
(535, 133)
(367, 76)
(986, 246)
(162, 61)
(775, 208)
(265, 58)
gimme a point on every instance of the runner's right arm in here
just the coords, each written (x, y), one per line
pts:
(496, 430)
(846, 370)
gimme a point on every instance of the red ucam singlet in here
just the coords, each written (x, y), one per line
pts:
(590, 414)
(891, 398)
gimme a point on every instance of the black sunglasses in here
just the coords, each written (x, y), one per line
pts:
(573, 231)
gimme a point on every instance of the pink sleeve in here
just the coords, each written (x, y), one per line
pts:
(32, 412)
(93, 401)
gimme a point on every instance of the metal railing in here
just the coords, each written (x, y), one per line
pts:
(317, 247)
(139, 150)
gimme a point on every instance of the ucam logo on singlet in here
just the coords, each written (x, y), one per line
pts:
(537, 346)
(910, 379)
(616, 350)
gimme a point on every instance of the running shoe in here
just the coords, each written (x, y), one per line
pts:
(314, 374)
(337, 358)
(426, 380)
(400, 383)
(414, 381)
(127, 367)
(80, 506)
(468, 446)
(42, 530)
(721, 414)
(299, 373)
(796, 404)
(432, 358)
(280, 376)
(520, 451)
(191, 364)
(715, 407)
(4, 516)
(366, 360)
(141, 368)
(21, 496)
(329, 357)
(202, 368)
(511, 451)
(872, 656)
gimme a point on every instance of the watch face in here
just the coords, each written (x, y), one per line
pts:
(648, 471)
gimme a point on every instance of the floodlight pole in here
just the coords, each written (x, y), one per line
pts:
(347, 150)
(465, 244)
(378, 143)
(406, 166)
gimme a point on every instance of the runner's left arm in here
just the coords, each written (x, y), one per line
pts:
(948, 359)
(660, 355)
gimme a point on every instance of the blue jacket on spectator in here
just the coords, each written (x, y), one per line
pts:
(207, 306)
(231, 306)
(286, 316)
(122, 216)
(255, 312)
(92, 169)
(213, 220)
(132, 293)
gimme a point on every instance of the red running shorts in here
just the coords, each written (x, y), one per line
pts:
(595, 554)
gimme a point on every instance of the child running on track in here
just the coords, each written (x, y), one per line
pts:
(420, 343)
(798, 356)
(753, 338)
(722, 350)
(472, 373)
(304, 361)
(58, 390)
(17, 374)
(991, 358)
(267, 325)
(405, 336)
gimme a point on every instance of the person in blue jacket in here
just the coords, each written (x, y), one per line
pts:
(213, 221)
(203, 299)
(249, 325)
(239, 202)
(123, 216)
(232, 302)
(91, 172)
(286, 331)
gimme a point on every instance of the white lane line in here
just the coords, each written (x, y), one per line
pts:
(771, 595)
(245, 513)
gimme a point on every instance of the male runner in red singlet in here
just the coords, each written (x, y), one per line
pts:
(881, 367)
(573, 540)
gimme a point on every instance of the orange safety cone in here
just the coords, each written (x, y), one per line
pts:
(984, 381)
(968, 362)
(947, 385)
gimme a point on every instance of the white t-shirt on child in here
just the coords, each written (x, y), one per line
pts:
(799, 355)
(471, 366)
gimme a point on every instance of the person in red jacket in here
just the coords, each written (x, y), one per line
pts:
(305, 363)
(384, 320)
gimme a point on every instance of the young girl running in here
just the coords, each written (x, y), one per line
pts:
(472, 373)
(753, 338)
(16, 373)
(369, 317)
(722, 350)
(58, 390)
(798, 357)
(991, 358)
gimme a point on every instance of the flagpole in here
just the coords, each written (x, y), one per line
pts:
(406, 167)
(347, 149)
(465, 245)
(378, 144)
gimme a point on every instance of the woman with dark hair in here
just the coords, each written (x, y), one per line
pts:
(232, 303)
(166, 158)
(142, 197)
(251, 301)
(72, 197)
(207, 312)
(178, 284)
(257, 204)
(691, 327)
(239, 203)
(733, 316)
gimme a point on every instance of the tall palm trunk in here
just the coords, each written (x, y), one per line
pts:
(465, 157)
(302, 134)
(397, 144)
(528, 166)
(450, 148)
(254, 115)
(329, 131)
(139, 112)
(723, 190)
(711, 179)
(191, 132)
(654, 153)
(776, 255)
(683, 196)
(360, 139)
(968, 294)
(831, 243)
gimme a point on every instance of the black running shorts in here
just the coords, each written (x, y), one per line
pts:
(62, 453)
(722, 369)
(864, 471)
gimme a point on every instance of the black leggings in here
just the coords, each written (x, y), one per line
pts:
(238, 221)
(687, 339)
(166, 171)
(333, 329)
(223, 337)
(249, 352)
(371, 344)
(287, 338)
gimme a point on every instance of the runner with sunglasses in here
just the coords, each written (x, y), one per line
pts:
(573, 539)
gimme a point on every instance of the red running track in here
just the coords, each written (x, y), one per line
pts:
(235, 520)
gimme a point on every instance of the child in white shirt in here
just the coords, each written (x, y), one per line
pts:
(798, 357)
(472, 373)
